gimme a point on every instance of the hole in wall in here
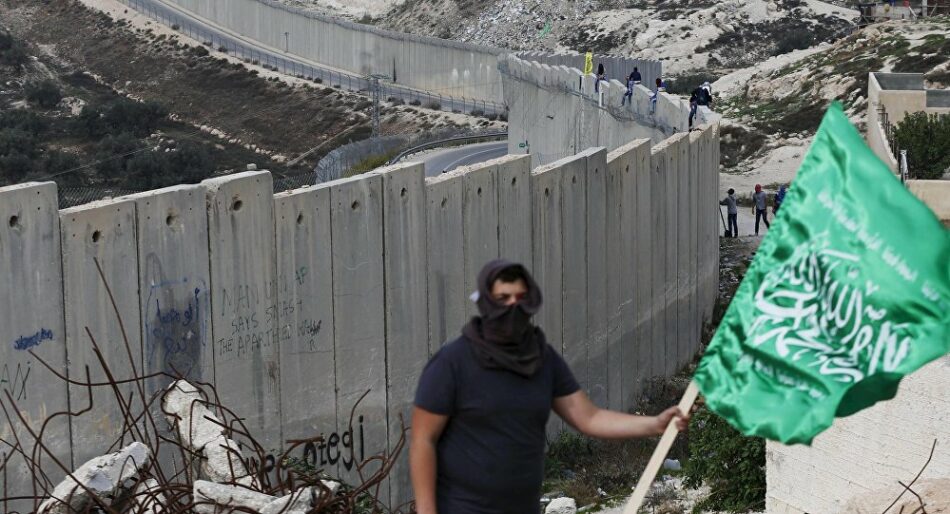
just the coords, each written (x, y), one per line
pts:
(236, 204)
(14, 221)
(355, 205)
(444, 201)
(574, 179)
(300, 219)
(403, 192)
(171, 219)
(479, 192)
(547, 192)
(514, 180)
(96, 236)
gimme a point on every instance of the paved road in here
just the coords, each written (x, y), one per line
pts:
(293, 65)
(441, 161)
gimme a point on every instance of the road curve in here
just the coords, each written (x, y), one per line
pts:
(441, 161)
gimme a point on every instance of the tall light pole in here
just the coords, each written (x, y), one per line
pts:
(374, 78)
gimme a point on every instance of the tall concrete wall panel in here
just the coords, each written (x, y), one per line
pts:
(244, 299)
(623, 352)
(407, 349)
(444, 256)
(659, 244)
(514, 208)
(695, 257)
(356, 213)
(597, 276)
(685, 336)
(479, 224)
(31, 319)
(546, 247)
(100, 236)
(174, 284)
(638, 253)
(574, 262)
(305, 320)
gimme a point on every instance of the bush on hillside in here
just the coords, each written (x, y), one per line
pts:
(22, 119)
(927, 141)
(12, 52)
(120, 115)
(686, 83)
(45, 94)
(731, 464)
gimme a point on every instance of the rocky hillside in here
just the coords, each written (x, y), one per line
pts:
(772, 110)
(686, 34)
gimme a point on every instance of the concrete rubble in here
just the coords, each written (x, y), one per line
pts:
(562, 505)
(213, 498)
(103, 478)
(202, 432)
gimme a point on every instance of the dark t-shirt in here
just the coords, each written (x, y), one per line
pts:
(491, 452)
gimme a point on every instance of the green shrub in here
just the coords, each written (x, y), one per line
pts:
(12, 52)
(120, 115)
(22, 119)
(685, 84)
(45, 93)
(927, 141)
(732, 465)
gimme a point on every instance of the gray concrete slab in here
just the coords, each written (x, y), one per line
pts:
(174, 291)
(31, 319)
(637, 253)
(597, 274)
(617, 161)
(479, 223)
(514, 208)
(574, 261)
(404, 219)
(685, 336)
(244, 300)
(444, 257)
(659, 184)
(103, 233)
(305, 322)
(359, 317)
(696, 195)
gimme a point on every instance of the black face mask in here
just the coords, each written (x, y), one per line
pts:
(508, 325)
(503, 336)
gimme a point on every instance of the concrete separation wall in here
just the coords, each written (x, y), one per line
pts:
(616, 67)
(555, 112)
(873, 450)
(426, 63)
(297, 304)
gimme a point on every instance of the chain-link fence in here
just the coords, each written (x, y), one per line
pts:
(71, 196)
(291, 65)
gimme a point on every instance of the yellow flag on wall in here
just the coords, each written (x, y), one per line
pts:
(588, 63)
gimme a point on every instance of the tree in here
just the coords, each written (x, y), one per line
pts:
(45, 93)
(12, 52)
(926, 137)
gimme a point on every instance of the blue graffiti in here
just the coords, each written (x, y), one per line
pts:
(27, 342)
(174, 333)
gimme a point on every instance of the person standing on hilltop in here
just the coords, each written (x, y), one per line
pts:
(483, 402)
(759, 208)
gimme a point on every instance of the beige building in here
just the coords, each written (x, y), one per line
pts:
(891, 96)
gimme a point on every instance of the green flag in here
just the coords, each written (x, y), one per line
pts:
(848, 292)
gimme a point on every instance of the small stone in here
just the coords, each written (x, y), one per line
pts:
(223, 462)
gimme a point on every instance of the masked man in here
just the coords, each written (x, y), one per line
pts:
(483, 401)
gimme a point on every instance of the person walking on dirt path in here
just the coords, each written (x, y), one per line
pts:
(779, 198)
(759, 208)
(732, 211)
(483, 402)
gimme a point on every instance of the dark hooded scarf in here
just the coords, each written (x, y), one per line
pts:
(503, 337)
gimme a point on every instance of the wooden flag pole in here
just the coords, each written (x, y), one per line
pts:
(659, 455)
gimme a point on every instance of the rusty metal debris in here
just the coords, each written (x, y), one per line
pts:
(166, 485)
